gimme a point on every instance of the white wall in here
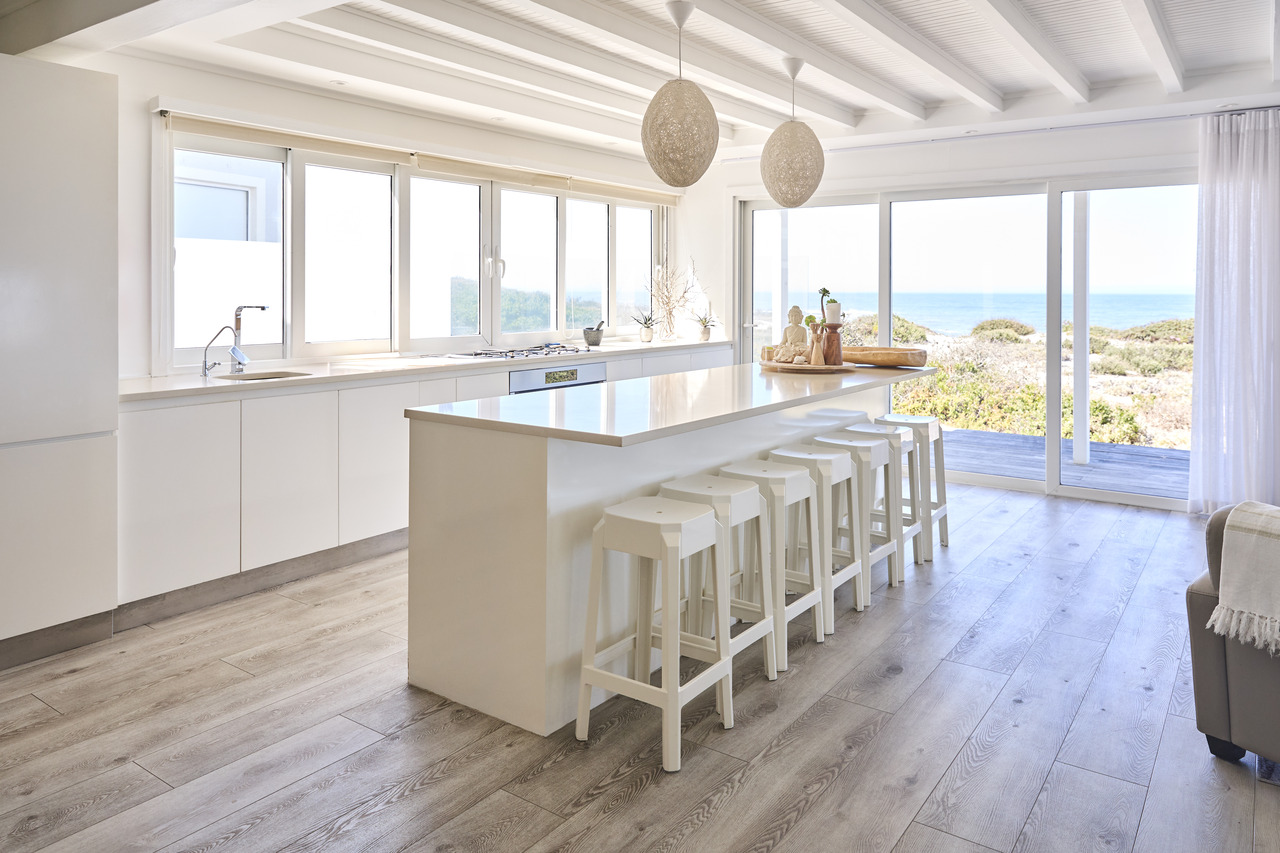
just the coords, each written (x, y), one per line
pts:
(705, 222)
(293, 108)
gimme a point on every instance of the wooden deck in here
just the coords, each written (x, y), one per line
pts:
(1156, 471)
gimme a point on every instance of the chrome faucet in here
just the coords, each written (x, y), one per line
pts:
(207, 365)
(240, 357)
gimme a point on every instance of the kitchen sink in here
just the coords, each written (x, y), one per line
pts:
(262, 374)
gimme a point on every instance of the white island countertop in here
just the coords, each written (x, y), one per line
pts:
(631, 411)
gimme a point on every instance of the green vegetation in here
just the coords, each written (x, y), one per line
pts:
(864, 331)
(1000, 336)
(522, 310)
(1162, 331)
(1018, 328)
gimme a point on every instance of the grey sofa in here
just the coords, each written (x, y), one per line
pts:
(1237, 686)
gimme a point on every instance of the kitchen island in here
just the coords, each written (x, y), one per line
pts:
(504, 492)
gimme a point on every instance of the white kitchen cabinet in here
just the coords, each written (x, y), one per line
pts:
(59, 565)
(288, 477)
(656, 365)
(705, 358)
(623, 368)
(431, 391)
(179, 497)
(479, 386)
(373, 459)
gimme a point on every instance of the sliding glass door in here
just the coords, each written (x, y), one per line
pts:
(1128, 303)
(968, 284)
(796, 252)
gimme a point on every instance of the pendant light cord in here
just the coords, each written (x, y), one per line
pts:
(680, 53)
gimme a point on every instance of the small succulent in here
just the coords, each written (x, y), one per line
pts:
(646, 321)
(705, 319)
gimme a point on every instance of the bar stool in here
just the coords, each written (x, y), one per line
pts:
(872, 457)
(668, 531)
(736, 503)
(842, 417)
(902, 447)
(928, 431)
(787, 490)
(832, 470)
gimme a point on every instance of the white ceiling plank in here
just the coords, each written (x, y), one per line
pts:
(897, 37)
(1275, 40)
(1012, 23)
(661, 45)
(601, 63)
(1154, 35)
(59, 28)
(297, 45)
(425, 47)
(743, 20)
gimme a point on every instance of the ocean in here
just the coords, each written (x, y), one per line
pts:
(958, 313)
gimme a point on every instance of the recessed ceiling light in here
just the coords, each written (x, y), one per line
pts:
(498, 118)
(338, 82)
(970, 133)
(1227, 106)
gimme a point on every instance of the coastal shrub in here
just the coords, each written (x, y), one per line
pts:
(1110, 365)
(1173, 356)
(1097, 345)
(1162, 331)
(1018, 328)
(863, 331)
(1000, 336)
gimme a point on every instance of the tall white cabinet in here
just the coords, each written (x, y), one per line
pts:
(58, 301)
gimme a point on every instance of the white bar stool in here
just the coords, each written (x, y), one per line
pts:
(842, 417)
(928, 431)
(902, 447)
(668, 531)
(787, 489)
(832, 470)
(872, 457)
(736, 503)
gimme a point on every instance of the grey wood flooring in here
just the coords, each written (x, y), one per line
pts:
(1160, 471)
(1027, 691)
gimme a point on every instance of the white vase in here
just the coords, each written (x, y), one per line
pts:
(832, 312)
(705, 334)
(646, 334)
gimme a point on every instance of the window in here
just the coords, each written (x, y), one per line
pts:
(228, 248)
(354, 254)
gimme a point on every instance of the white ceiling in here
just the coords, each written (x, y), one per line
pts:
(582, 71)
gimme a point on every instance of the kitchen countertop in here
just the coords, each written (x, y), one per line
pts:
(631, 411)
(374, 367)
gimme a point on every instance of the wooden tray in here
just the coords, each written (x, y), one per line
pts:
(784, 367)
(886, 356)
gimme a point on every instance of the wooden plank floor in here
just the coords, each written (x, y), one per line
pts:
(1159, 471)
(1027, 691)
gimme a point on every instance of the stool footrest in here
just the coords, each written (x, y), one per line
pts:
(615, 651)
(638, 690)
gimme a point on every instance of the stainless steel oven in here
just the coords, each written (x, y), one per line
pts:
(541, 378)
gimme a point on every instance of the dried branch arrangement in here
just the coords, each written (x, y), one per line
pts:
(671, 291)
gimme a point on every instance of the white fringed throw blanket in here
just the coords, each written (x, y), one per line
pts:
(1249, 587)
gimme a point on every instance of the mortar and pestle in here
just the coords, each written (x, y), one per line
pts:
(592, 337)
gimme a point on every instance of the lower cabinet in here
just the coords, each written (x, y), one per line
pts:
(179, 491)
(288, 477)
(656, 365)
(373, 459)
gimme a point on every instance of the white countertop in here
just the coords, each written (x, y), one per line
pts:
(374, 367)
(634, 410)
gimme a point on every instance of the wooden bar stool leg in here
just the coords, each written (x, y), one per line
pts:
(670, 654)
(593, 629)
(781, 563)
(816, 572)
(720, 580)
(920, 543)
(765, 585)
(866, 499)
(646, 578)
(893, 519)
(940, 468)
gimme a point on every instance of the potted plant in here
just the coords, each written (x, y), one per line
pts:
(706, 321)
(830, 305)
(647, 322)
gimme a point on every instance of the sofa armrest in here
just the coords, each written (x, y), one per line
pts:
(1213, 542)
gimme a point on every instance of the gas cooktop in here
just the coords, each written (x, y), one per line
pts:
(524, 352)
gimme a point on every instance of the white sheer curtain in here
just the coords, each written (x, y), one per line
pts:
(1235, 450)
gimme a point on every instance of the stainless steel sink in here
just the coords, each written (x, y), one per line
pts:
(262, 374)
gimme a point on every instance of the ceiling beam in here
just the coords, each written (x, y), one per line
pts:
(1154, 35)
(481, 99)
(45, 28)
(596, 62)
(1275, 40)
(425, 47)
(1022, 34)
(909, 45)
(744, 21)
(660, 45)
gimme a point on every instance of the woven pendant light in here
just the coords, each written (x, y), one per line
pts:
(792, 162)
(680, 132)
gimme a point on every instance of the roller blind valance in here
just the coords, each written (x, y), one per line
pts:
(426, 162)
